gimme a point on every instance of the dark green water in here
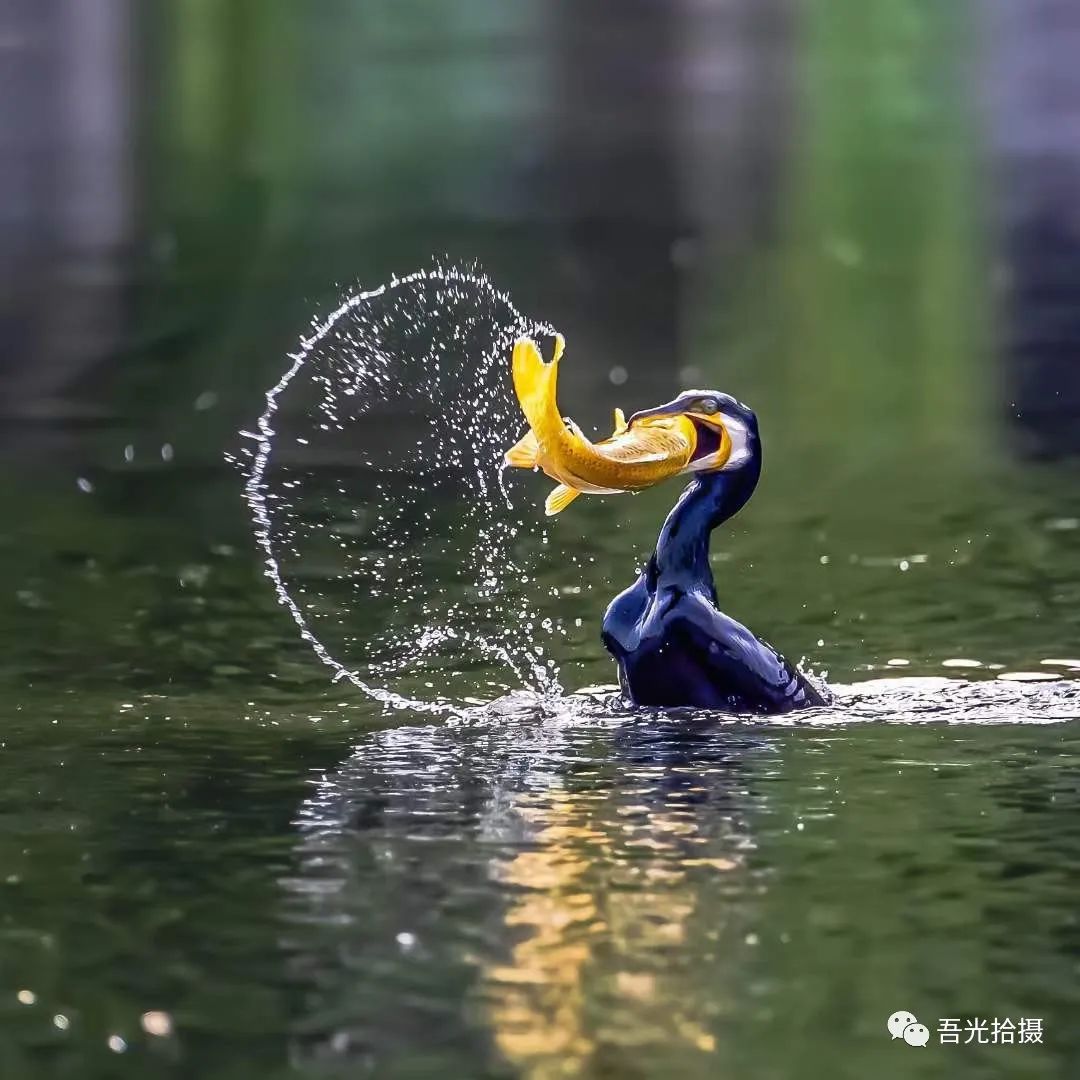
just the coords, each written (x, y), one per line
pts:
(196, 822)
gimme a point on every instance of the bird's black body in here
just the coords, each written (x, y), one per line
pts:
(674, 647)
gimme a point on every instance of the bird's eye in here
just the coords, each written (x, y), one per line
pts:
(709, 405)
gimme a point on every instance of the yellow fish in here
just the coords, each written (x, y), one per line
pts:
(636, 456)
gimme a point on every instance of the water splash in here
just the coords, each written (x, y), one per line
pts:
(377, 496)
(892, 700)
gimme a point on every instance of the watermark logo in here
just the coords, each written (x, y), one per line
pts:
(898, 1021)
(995, 1032)
(953, 1031)
(905, 1025)
(916, 1034)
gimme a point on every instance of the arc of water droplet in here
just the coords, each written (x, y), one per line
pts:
(262, 517)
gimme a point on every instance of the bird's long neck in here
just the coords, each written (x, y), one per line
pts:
(682, 550)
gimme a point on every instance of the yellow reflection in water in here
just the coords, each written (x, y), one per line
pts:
(603, 898)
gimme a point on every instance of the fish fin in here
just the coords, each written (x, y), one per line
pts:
(525, 453)
(559, 499)
(620, 422)
(535, 381)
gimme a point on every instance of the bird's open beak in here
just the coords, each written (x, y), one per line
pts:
(713, 445)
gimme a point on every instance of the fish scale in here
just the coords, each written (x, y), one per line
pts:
(634, 457)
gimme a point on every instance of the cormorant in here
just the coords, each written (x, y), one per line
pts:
(673, 644)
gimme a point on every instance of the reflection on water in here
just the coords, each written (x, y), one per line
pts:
(603, 888)
(563, 890)
(580, 855)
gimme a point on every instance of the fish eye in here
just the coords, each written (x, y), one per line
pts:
(709, 406)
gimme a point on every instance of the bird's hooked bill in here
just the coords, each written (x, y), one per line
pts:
(716, 433)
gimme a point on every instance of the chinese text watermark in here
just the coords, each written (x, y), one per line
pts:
(957, 1031)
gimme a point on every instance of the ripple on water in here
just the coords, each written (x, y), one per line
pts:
(895, 700)
(565, 885)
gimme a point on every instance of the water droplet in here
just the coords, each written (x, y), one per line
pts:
(156, 1023)
(442, 335)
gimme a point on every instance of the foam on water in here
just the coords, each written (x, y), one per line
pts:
(377, 496)
(900, 700)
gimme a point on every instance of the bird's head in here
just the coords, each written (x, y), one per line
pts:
(726, 430)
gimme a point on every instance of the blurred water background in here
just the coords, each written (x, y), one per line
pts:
(863, 221)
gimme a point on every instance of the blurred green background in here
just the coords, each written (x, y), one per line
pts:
(852, 220)
(756, 174)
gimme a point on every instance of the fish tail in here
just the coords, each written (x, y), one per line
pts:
(534, 384)
(525, 453)
(559, 499)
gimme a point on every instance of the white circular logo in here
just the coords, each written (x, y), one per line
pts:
(904, 1025)
(900, 1020)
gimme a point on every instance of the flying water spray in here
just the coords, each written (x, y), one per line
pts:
(375, 484)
